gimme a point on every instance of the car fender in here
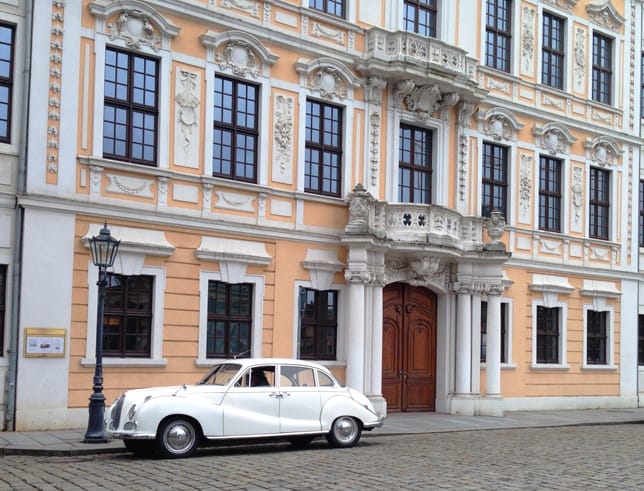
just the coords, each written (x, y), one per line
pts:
(341, 405)
(151, 413)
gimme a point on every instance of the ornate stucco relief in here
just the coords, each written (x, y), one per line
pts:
(577, 189)
(55, 72)
(374, 90)
(499, 124)
(249, 7)
(186, 135)
(525, 188)
(283, 139)
(326, 32)
(234, 201)
(136, 29)
(555, 138)
(527, 40)
(238, 53)
(131, 186)
(604, 13)
(580, 59)
(464, 113)
(603, 151)
(238, 57)
(563, 4)
(327, 77)
(424, 100)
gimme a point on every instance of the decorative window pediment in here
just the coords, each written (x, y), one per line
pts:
(604, 13)
(322, 265)
(603, 151)
(500, 124)
(425, 100)
(330, 78)
(554, 137)
(600, 291)
(135, 244)
(550, 287)
(134, 22)
(239, 53)
(233, 256)
(563, 4)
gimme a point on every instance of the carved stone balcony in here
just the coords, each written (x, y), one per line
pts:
(405, 55)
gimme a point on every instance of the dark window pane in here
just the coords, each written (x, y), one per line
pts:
(7, 46)
(548, 335)
(323, 152)
(333, 7)
(495, 180)
(550, 194)
(602, 73)
(318, 324)
(420, 17)
(596, 337)
(599, 203)
(553, 51)
(229, 319)
(498, 34)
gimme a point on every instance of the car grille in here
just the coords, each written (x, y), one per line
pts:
(116, 412)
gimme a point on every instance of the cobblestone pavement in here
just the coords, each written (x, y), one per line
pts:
(570, 458)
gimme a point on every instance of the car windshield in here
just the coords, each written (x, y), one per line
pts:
(221, 374)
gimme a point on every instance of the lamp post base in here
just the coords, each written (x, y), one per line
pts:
(95, 427)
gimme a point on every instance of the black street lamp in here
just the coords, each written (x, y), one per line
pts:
(104, 248)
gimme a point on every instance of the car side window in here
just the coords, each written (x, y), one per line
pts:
(324, 380)
(262, 376)
(293, 376)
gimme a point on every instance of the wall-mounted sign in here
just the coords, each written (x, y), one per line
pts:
(49, 343)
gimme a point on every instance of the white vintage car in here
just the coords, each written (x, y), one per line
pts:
(242, 399)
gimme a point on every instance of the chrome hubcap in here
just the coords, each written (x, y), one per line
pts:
(345, 429)
(179, 437)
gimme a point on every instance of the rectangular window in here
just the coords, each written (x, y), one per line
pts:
(550, 194)
(235, 130)
(3, 304)
(498, 34)
(323, 152)
(495, 179)
(641, 221)
(504, 338)
(127, 317)
(131, 107)
(230, 318)
(552, 51)
(548, 334)
(640, 340)
(602, 68)
(333, 7)
(7, 40)
(596, 337)
(415, 165)
(642, 86)
(318, 324)
(420, 17)
(599, 203)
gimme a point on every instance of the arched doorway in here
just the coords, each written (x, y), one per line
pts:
(409, 348)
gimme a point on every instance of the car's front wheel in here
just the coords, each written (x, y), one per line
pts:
(177, 438)
(345, 432)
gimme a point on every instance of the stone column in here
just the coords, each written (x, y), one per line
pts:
(355, 341)
(463, 343)
(493, 356)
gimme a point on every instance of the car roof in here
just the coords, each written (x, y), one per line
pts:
(274, 361)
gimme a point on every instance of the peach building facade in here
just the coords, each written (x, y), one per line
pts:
(434, 198)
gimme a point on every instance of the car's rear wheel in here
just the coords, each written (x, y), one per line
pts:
(177, 438)
(300, 441)
(140, 448)
(345, 432)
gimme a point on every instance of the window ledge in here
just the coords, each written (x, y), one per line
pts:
(599, 367)
(504, 366)
(549, 366)
(126, 362)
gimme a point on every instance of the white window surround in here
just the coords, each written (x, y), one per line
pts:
(616, 79)
(567, 47)
(511, 176)
(613, 205)
(162, 52)
(515, 38)
(258, 314)
(440, 164)
(564, 219)
(610, 336)
(156, 355)
(245, 70)
(563, 341)
(233, 256)
(340, 360)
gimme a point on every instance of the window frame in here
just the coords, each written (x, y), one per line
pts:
(324, 149)
(317, 324)
(599, 305)
(156, 341)
(8, 81)
(236, 129)
(126, 314)
(256, 326)
(412, 166)
(430, 9)
(495, 185)
(600, 319)
(494, 34)
(553, 53)
(549, 303)
(547, 195)
(602, 70)
(640, 340)
(641, 214)
(597, 222)
(227, 318)
(506, 335)
(326, 5)
(131, 107)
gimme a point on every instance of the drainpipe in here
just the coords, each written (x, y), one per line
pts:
(21, 179)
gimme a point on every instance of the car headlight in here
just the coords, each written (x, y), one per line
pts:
(131, 412)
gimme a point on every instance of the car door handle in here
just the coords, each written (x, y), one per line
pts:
(276, 395)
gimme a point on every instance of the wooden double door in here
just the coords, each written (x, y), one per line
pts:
(409, 348)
